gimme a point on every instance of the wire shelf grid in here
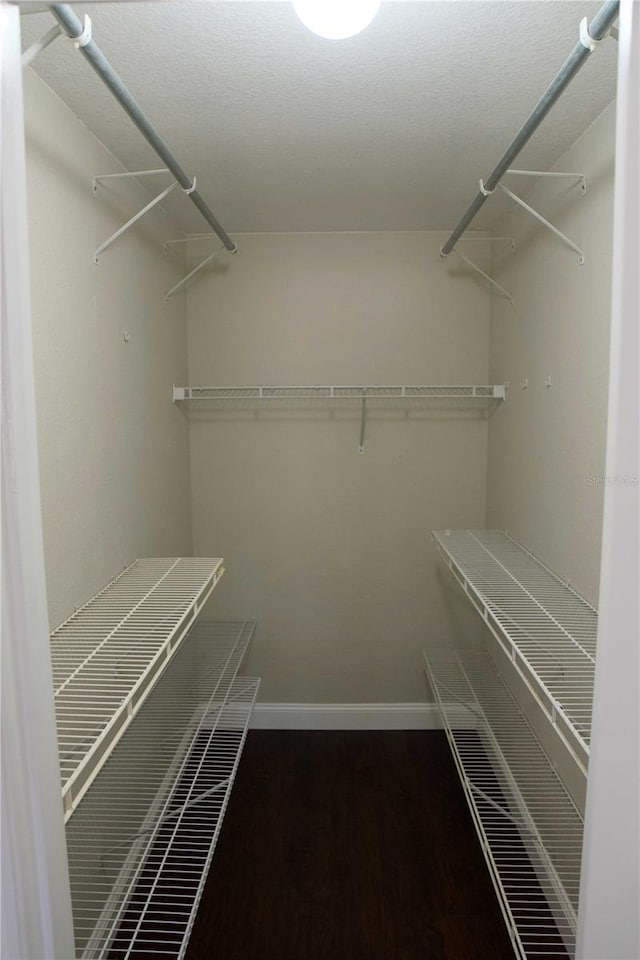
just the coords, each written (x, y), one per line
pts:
(109, 653)
(543, 625)
(141, 841)
(333, 393)
(530, 830)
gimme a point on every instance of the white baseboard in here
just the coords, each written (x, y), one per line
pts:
(345, 716)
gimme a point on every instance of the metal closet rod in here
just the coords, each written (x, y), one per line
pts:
(598, 29)
(73, 27)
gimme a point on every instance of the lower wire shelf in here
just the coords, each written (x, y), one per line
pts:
(141, 841)
(529, 828)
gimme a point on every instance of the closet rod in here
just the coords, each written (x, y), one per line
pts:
(597, 30)
(75, 29)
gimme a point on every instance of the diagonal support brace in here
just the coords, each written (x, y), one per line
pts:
(494, 283)
(36, 48)
(543, 221)
(114, 236)
(195, 270)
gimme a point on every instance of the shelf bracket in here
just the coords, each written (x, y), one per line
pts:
(195, 270)
(363, 422)
(152, 203)
(579, 177)
(125, 175)
(494, 283)
(36, 48)
(189, 239)
(534, 213)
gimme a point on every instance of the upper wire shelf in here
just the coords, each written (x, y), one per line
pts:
(141, 841)
(548, 630)
(364, 395)
(530, 830)
(357, 392)
(107, 656)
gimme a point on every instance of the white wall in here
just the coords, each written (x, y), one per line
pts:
(329, 550)
(546, 463)
(547, 445)
(114, 452)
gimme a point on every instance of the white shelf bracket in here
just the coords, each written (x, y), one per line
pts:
(191, 273)
(363, 422)
(494, 283)
(36, 48)
(578, 177)
(510, 240)
(126, 175)
(205, 236)
(534, 213)
(152, 203)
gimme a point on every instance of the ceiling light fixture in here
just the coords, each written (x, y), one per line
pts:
(336, 19)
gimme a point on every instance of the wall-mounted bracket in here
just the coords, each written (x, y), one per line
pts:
(152, 203)
(189, 239)
(510, 240)
(494, 283)
(363, 422)
(580, 177)
(191, 273)
(538, 216)
(38, 46)
(126, 175)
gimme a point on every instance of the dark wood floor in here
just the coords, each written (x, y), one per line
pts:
(348, 846)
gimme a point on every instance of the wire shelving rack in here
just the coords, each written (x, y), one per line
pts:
(548, 630)
(334, 393)
(141, 841)
(362, 397)
(107, 656)
(529, 828)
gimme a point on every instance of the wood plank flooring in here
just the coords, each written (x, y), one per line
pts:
(348, 845)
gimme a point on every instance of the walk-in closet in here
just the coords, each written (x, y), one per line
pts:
(320, 480)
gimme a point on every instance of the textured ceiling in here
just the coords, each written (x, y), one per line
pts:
(286, 131)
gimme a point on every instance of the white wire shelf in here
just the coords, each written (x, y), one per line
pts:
(544, 626)
(369, 391)
(108, 655)
(529, 828)
(364, 397)
(141, 841)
